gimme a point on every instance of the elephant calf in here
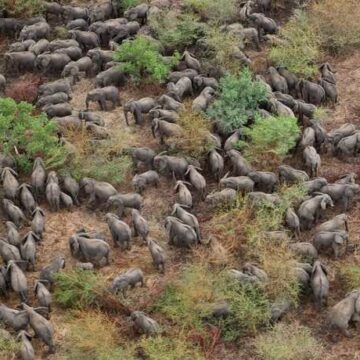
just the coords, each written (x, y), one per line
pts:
(157, 254)
(108, 93)
(127, 279)
(148, 178)
(145, 324)
(319, 283)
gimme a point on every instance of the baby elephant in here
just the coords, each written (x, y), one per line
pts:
(127, 279)
(144, 324)
(148, 178)
(334, 240)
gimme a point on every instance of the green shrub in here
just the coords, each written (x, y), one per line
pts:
(170, 348)
(337, 25)
(141, 58)
(220, 49)
(299, 49)
(351, 276)
(8, 346)
(288, 342)
(238, 101)
(114, 170)
(126, 4)
(76, 288)
(270, 139)
(190, 299)
(26, 135)
(176, 31)
(219, 11)
(22, 8)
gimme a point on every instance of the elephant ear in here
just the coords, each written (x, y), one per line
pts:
(338, 239)
(324, 269)
(323, 204)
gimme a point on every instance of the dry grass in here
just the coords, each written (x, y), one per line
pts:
(24, 89)
(91, 335)
(194, 140)
(288, 342)
(337, 24)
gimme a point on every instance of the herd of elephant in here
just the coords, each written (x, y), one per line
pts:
(97, 27)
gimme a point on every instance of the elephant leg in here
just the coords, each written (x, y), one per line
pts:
(103, 104)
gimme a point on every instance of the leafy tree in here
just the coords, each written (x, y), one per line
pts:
(141, 58)
(238, 101)
(26, 135)
(270, 139)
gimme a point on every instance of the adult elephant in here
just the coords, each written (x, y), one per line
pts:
(87, 39)
(20, 61)
(311, 92)
(343, 194)
(52, 63)
(310, 210)
(138, 107)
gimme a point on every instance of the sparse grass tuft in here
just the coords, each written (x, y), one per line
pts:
(288, 342)
(270, 139)
(76, 288)
(217, 11)
(194, 140)
(351, 276)
(300, 49)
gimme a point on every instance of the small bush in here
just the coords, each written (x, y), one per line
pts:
(336, 23)
(351, 276)
(60, 32)
(219, 11)
(102, 161)
(22, 8)
(126, 4)
(238, 101)
(288, 342)
(92, 336)
(76, 288)
(24, 89)
(300, 49)
(26, 136)
(189, 300)
(176, 31)
(270, 139)
(176, 347)
(194, 140)
(141, 58)
(220, 49)
(9, 347)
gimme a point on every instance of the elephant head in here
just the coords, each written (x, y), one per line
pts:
(87, 184)
(326, 201)
(8, 171)
(74, 245)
